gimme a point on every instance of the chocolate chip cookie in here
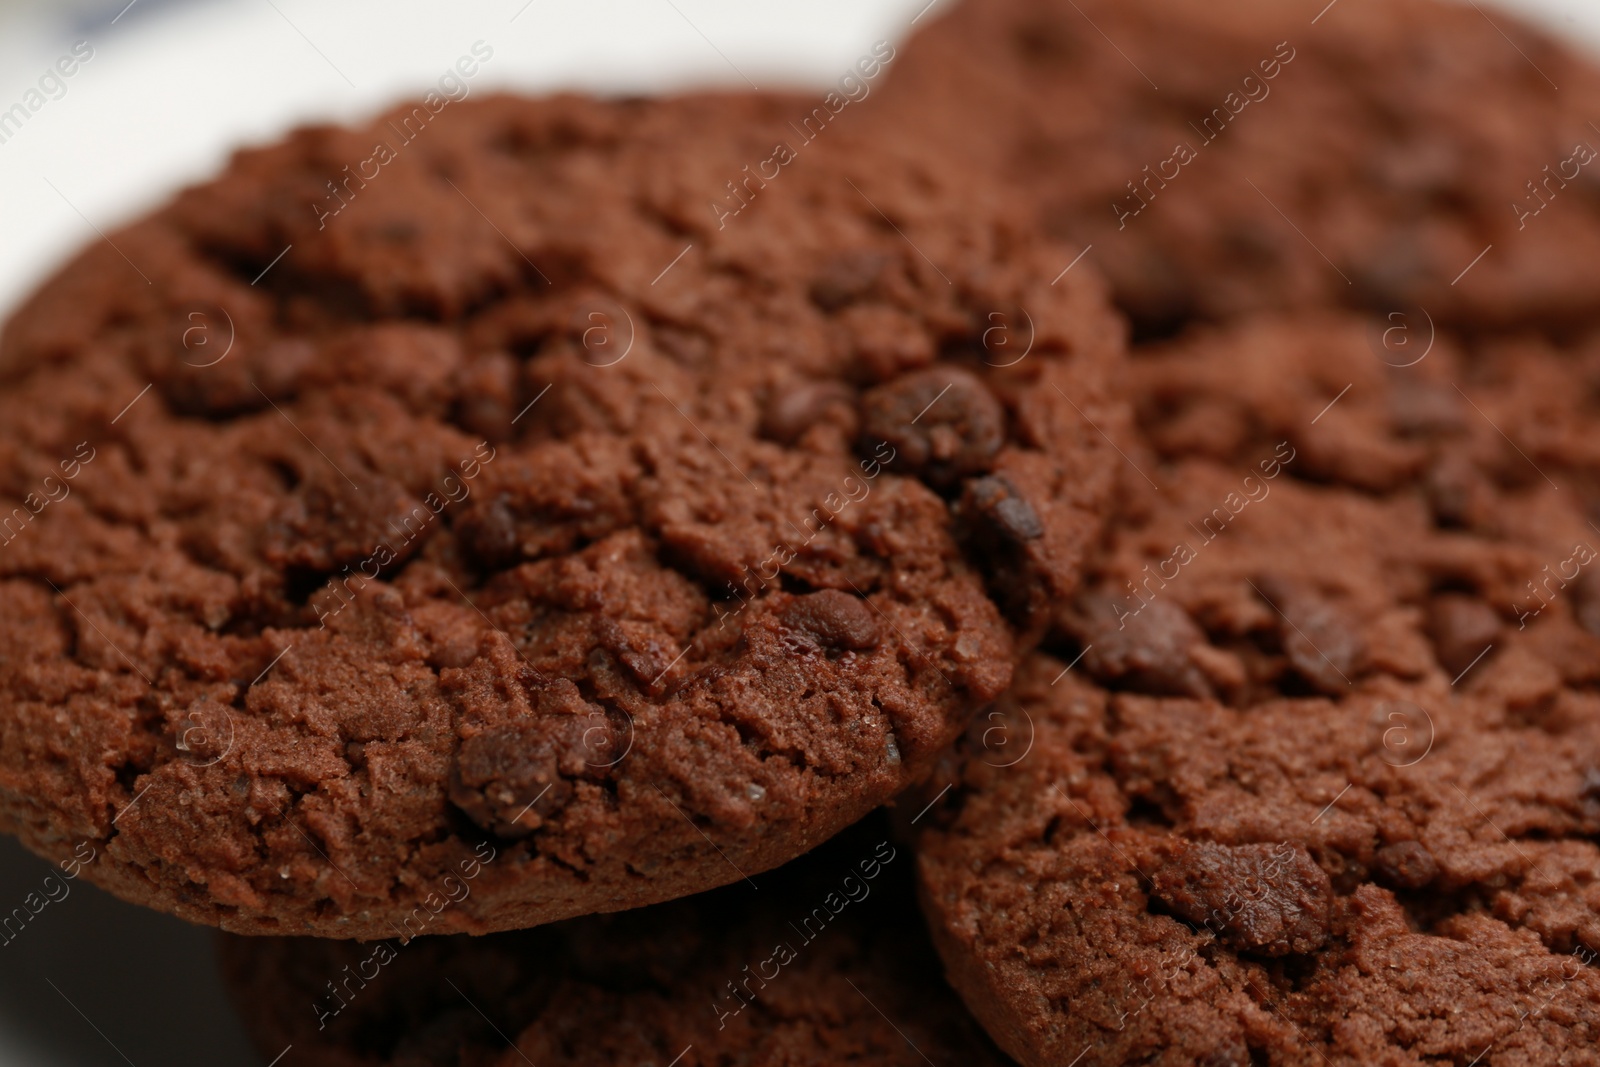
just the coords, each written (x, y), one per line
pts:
(825, 964)
(1303, 880)
(636, 491)
(1316, 777)
(1263, 155)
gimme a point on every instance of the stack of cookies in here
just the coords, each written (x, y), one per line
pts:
(1142, 448)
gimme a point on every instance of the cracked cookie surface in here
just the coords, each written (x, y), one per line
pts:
(512, 494)
(1172, 880)
(1322, 783)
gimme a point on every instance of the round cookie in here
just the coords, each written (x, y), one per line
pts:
(825, 965)
(1265, 155)
(1316, 778)
(1174, 880)
(532, 476)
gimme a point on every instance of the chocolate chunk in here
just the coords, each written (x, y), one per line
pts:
(1405, 865)
(943, 423)
(1458, 493)
(1269, 900)
(1586, 600)
(847, 276)
(487, 391)
(835, 620)
(1144, 648)
(326, 524)
(1461, 627)
(796, 407)
(197, 379)
(1009, 514)
(1002, 531)
(1042, 43)
(1420, 408)
(489, 534)
(1321, 639)
(508, 780)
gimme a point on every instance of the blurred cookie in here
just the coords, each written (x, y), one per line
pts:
(825, 964)
(1265, 155)
(527, 478)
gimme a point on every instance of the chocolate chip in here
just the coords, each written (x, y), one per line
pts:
(1419, 408)
(1458, 493)
(1461, 628)
(489, 534)
(637, 649)
(1586, 600)
(1270, 900)
(325, 525)
(847, 276)
(1008, 513)
(1142, 648)
(507, 780)
(835, 620)
(197, 379)
(1405, 865)
(943, 423)
(998, 527)
(1045, 42)
(1321, 639)
(794, 408)
(486, 390)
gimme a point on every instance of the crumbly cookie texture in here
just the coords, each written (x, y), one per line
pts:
(479, 480)
(1316, 776)
(1263, 155)
(1174, 880)
(718, 980)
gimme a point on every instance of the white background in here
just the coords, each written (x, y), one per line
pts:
(173, 87)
